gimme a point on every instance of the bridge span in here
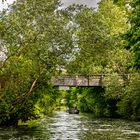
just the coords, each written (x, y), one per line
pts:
(79, 81)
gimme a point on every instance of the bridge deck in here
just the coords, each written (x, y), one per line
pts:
(79, 81)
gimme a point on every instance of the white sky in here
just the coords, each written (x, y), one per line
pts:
(4, 5)
(90, 3)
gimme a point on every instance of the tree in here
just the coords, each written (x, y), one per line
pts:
(98, 36)
(129, 106)
(100, 50)
(133, 35)
(37, 41)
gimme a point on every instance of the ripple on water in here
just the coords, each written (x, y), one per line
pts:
(65, 126)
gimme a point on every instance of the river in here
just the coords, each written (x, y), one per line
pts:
(64, 126)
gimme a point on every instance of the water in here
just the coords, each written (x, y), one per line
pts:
(64, 126)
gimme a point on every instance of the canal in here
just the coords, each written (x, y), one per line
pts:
(64, 126)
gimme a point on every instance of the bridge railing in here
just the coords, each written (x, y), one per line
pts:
(80, 80)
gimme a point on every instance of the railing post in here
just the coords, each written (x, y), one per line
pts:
(88, 80)
(101, 80)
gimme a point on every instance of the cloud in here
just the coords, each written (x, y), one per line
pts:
(89, 3)
(5, 4)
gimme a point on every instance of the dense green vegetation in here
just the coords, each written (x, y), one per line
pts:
(36, 42)
(40, 41)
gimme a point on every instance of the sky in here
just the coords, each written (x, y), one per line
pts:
(90, 3)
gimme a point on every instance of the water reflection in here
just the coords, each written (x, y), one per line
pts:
(24, 133)
(64, 126)
(104, 129)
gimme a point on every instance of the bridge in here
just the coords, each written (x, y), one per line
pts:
(79, 81)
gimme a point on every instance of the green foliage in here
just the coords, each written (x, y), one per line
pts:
(71, 97)
(129, 106)
(101, 50)
(48, 102)
(87, 100)
(39, 41)
(36, 42)
(121, 3)
(121, 61)
(98, 35)
(133, 34)
(92, 100)
(114, 87)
